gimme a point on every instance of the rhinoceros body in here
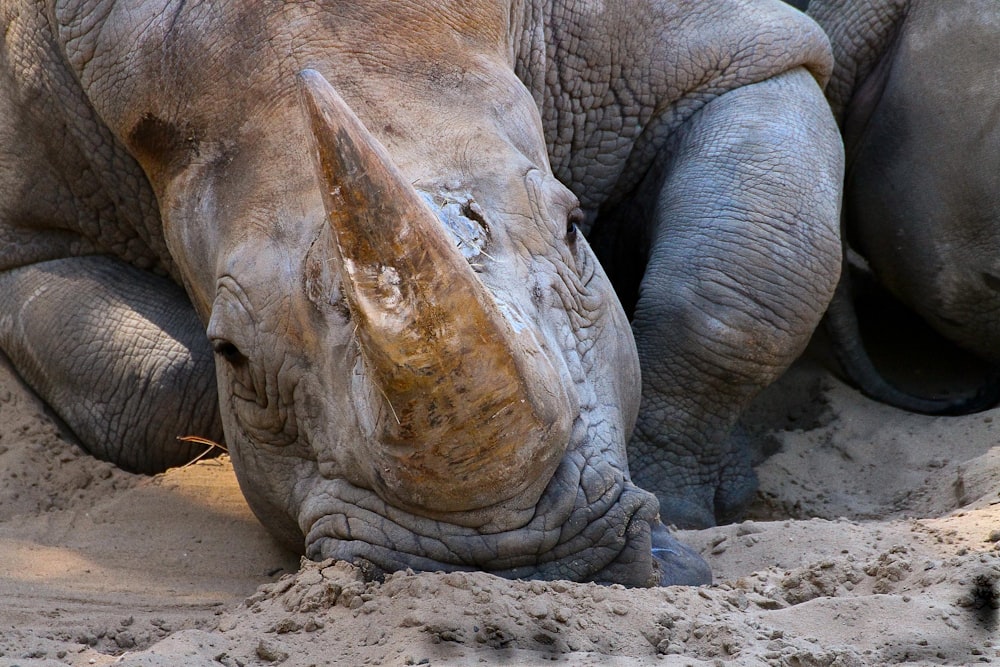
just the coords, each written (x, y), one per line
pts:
(916, 89)
(348, 238)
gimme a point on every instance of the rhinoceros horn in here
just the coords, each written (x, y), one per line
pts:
(474, 413)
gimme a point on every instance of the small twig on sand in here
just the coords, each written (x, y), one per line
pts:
(209, 446)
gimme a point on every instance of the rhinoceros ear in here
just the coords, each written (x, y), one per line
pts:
(475, 414)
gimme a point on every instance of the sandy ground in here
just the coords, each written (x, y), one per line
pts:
(875, 540)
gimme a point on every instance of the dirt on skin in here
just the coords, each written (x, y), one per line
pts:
(875, 540)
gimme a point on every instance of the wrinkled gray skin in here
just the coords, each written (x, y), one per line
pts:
(916, 90)
(157, 180)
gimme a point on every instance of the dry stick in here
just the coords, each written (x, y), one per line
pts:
(209, 446)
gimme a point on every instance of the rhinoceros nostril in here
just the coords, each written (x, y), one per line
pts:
(992, 281)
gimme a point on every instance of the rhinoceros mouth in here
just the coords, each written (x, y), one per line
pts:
(610, 543)
(591, 524)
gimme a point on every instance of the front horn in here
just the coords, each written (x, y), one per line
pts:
(472, 412)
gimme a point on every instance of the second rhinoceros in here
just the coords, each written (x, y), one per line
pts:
(376, 212)
(916, 89)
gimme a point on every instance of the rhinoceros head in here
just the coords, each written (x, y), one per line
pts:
(436, 373)
(420, 361)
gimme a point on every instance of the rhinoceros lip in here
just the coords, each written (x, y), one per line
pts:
(590, 524)
(574, 540)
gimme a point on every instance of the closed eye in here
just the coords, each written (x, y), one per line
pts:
(229, 352)
(573, 221)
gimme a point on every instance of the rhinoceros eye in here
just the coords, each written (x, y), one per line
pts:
(229, 352)
(573, 221)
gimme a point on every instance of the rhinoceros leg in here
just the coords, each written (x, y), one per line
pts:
(742, 262)
(117, 352)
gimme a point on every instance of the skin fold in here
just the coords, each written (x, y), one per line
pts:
(351, 240)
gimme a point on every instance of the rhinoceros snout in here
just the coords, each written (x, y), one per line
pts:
(469, 412)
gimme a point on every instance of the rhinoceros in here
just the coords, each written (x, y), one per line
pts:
(349, 239)
(916, 90)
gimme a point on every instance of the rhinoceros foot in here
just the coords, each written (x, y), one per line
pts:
(698, 492)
